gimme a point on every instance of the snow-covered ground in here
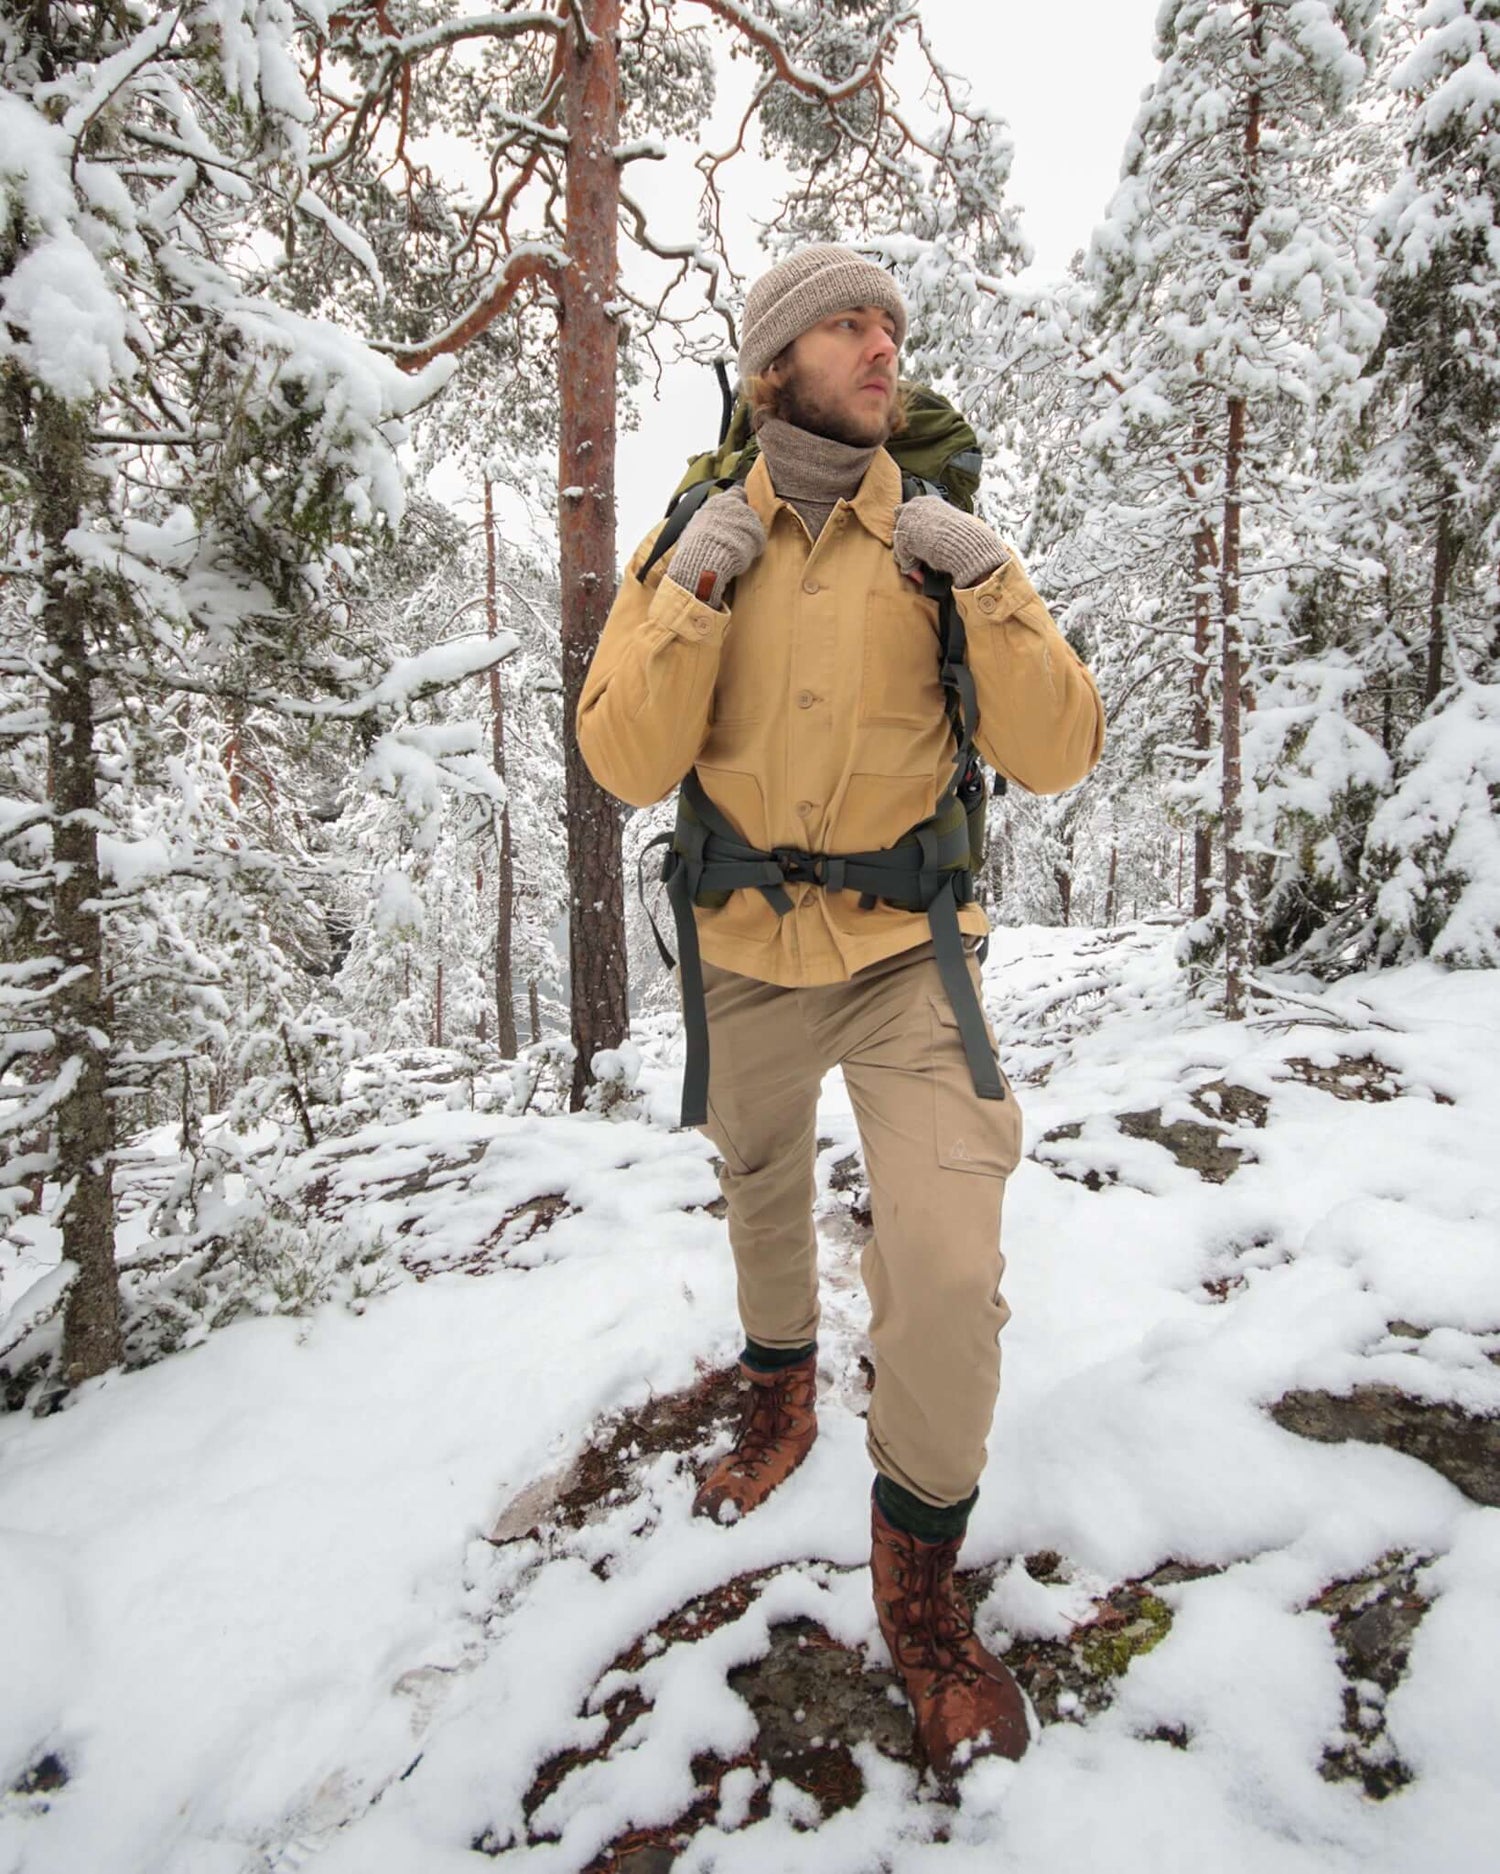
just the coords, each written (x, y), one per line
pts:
(250, 1622)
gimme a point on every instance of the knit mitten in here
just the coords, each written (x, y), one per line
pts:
(931, 532)
(722, 540)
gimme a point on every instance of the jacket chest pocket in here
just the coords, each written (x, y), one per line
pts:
(899, 681)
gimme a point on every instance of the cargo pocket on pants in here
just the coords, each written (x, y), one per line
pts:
(982, 1136)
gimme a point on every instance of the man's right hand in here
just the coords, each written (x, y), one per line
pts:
(722, 540)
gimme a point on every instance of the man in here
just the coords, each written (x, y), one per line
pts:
(789, 658)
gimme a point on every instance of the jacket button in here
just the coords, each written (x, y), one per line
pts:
(811, 586)
(987, 603)
(805, 699)
(807, 808)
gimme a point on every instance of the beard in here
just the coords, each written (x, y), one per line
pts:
(798, 403)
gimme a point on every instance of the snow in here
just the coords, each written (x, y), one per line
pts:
(76, 331)
(249, 1606)
(1438, 834)
(440, 665)
(35, 1304)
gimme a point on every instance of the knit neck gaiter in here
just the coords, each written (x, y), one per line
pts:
(812, 473)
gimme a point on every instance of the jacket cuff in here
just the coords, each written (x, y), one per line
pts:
(676, 610)
(1000, 594)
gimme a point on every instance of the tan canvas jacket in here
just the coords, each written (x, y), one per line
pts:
(814, 716)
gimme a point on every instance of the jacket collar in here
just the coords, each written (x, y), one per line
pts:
(874, 506)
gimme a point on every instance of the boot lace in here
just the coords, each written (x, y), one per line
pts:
(768, 1419)
(935, 1627)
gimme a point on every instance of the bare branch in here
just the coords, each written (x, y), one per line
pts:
(522, 266)
(808, 83)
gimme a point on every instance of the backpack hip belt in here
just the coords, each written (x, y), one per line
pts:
(927, 871)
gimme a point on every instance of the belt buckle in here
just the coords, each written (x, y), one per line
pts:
(797, 868)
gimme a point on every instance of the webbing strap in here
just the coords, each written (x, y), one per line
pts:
(948, 948)
(694, 1001)
(916, 879)
(682, 511)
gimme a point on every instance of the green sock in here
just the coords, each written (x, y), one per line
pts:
(773, 1359)
(926, 1521)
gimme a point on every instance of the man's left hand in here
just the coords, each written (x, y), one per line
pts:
(931, 532)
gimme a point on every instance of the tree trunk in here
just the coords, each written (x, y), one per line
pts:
(588, 349)
(1109, 889)
(1236, 906)
(1237, 922)
(536, 1011)
(1442, 574)
(83, 1122)
(1203, 562)
(505, 910)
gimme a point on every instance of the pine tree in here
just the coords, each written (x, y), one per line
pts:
(1433, 475)
(186, 463)
(1228, 307)
(1438, 235)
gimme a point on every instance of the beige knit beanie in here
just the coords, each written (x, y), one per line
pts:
(811, 284)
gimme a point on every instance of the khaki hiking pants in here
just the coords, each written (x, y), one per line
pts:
(937, 1157)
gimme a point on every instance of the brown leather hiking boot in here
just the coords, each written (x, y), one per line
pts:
(965, 1701)
(776, 1434)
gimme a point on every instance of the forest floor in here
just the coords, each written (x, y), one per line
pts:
(414, 1586)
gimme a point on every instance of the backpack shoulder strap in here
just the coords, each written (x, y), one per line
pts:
(957, 679)
(678, 515)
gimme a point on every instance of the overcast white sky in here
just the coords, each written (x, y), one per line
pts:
(1066, 76)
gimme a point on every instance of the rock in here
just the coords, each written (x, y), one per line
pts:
(1465, 1450)
(1195, 1146)
(648, 1860)
(1383, 1632)
(1374, 1617)
(812, 1699)
(605, 1470)
(1228, 1101)
(1075, 1678)
(1349, 1078)
(41, 1778)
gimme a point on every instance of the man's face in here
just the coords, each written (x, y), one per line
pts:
(839, 378)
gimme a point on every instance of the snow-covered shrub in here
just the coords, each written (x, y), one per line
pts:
(541, 1079)
(1434, 845)
(265, 1254)
(1313, 778)
(616, 1092)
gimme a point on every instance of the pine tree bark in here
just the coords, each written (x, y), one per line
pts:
(1203, 563)
(1437, 616)
(1237, 921)
(588, 352)
(505, 908)
(1236, 908)
(83, 1122)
